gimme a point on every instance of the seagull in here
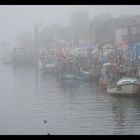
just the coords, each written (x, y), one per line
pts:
(45, 120)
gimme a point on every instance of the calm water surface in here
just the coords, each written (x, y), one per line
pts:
(70, 107)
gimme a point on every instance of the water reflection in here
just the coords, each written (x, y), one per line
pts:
(127, 114)
(68, 85)
(70, 106)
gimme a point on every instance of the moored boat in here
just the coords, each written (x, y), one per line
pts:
(84, 74)
(125, 86)
(47, 64)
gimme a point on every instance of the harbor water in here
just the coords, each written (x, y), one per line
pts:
(28, 97)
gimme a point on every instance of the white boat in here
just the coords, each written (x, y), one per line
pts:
(125, 86)
(49, 65)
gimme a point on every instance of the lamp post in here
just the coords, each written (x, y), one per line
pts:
(91, 29)
(92, 39)
(93, 32)
(36, 40)
(36, 56)
(36, 32)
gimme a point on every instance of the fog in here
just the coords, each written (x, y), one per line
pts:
(60, 67)
(20, 18)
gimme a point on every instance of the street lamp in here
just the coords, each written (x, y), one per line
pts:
(92, 33)
(36, 32)
(36, 40)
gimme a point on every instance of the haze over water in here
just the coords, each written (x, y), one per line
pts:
(70, 107)
(28, 96)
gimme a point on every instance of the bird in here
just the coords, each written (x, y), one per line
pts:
(45, 120)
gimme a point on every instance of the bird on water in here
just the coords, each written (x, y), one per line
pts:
(45, 121)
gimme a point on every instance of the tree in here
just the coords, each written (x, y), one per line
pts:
(80, 25)
(53, 32)
(103, 27)
(103, 16)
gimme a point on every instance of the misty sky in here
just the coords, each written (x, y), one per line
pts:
(20, 18)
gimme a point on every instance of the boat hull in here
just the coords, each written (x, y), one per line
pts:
(47, 67)
(128, 89)
(84, 76)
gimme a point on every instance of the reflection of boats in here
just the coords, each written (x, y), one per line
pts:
(67, 70)
(125, 86)
(103, 83)
(68, 76)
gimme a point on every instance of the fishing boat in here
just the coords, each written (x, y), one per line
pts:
(48, 67)
(125, 86)
(47, 64)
